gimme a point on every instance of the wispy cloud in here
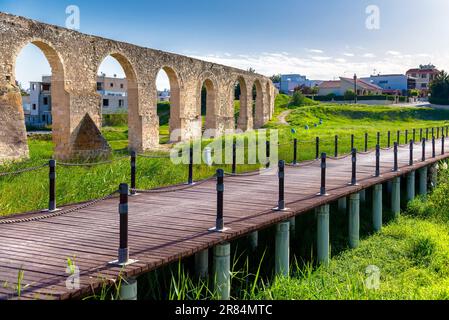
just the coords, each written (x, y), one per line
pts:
(315, 50)
(320, 58)
(348, 54)
(369, 55)
(393, 53)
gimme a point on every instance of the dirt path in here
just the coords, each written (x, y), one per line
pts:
(282, 119)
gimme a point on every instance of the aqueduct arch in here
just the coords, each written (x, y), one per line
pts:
(75, 59)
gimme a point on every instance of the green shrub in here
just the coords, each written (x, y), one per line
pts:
(349, 95)
(115, 120)
(298, 99)
(439, 101)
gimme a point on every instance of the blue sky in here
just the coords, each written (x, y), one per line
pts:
(322, 39)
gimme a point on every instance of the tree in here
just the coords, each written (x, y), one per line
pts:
(276, 78)
(439, 89)
(298, 99)
(349, 95)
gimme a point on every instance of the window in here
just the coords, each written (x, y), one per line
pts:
(105, 102)
(120, 103)
(112, 85)
(33, 87)
(99, 86)
(424, 85)
(43, 118)
(121, 86)
(34, 106)
(424, 76)
(413, 75)
(46, 87)
(45, 101)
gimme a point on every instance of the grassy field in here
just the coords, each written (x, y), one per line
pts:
(80, 184)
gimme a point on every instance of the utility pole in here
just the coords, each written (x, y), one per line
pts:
(355, 88)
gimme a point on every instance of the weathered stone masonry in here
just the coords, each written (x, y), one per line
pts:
(75, 58)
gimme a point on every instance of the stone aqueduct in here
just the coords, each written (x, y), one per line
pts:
(75, 58)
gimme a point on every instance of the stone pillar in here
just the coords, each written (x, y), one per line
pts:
(377, 207)
(222, 270)
(323, 234)
(282, 254)
(354, 220)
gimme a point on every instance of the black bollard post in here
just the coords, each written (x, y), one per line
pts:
(317, 144)
(295, 152)
(389, 140)
(395, 165)
(190, 181)
(234, 158)
(427, 134)
(354, 168)
(433, 132)
(420, 134)
(447, 131)
(281, 176)
(52, 186)
(377, 174)
(352, 141)
(423, 158)
(406, 137)
(336, 146)
(433, 148)
(366, 141)
(268, 154)
(398, 140)
(133, 172)
(323, 175)
(219, 226)
(414, 135)
(438, 132)
(378, 139)
(411, 153)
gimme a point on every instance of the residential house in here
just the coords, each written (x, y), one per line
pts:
(424, 75)
(339, 87)
(394, 84)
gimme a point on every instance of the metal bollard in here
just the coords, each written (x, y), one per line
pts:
(336, 146)
(414, 135)
(406, 137)
(133, 172)
(354, 168)
(420, 134)
(389, 140)
(219, 226)
(411, 153)
(447, 131)
(377, 174)
(433, 148)
(433, 132)
(234, 158)
(423, 158)
(398, 140)
(190, 181)
(427, 134)
(295, 152)
(281, 176)
(395, 166)
(52, 186)
(268, 154)
(323, 175)
(378, 138)
(366, 142)
(317, 144)
(438, 132)
(352, 141)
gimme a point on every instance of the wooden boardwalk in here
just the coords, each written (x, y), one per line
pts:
(164, 227)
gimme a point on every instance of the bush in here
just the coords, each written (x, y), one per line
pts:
(439, 101)
(115, 120)
(298, 99)
(349, 95)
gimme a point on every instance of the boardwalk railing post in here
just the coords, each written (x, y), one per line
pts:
(410, 163)
(389, 139)
(377, 173)
(427, 134)
(398, 140)
(433, 148)
(395, 165)
(336, 146)
(433, 132)
(406, 137)
(352, 141)
(354, 168)
(438, 132)
(295, 152)
(414, 135)
(281, 176)
(219, 226)
(222, 270)
(123, 251)
(354, 220)
(317, 145)
(378, 138)
(423, 157)
(396, 197)
(282, 252)
(268, 154)
(52, 186)
(234, 158)
(420, 134)
(190, 180)
(323, 175)
(377, 207)
(322, 214)
(447, 131)
(366, 142)
(133, 172)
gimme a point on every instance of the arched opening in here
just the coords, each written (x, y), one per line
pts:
(116, 85)
(39, 74)
(240, 103)
(208, 97)
(257, 104)
(168, 103)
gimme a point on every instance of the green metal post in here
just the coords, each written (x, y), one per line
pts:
(396, 197)
(128, 289)
(222, 270)
(282, 265)
(202, 264)
(362, 196)
(377, 207)
(411, 186)
(342, 204)
(354, 220)
(253, 239)
(323, 234)
(293, 226)
(423, 181)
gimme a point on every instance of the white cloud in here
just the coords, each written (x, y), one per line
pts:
(369, 55)
(341, 60)
(315, 50)
(320, 58)
(348, 54)
(393, 53)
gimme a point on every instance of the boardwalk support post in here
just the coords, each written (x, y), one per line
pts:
(219, 226)
(128, 289)
(282, 265)
(423, 181)
(377, 207)
(396, 197)
(342, 204)
(410, 186)
(123, 251)
(202, 264)
(253, 240)
(354, 220)
(222, 270)
(323, 234)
